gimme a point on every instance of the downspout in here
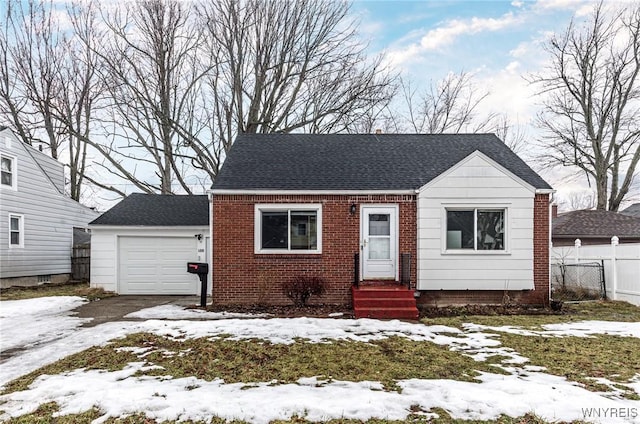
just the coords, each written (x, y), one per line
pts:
(210, 258)
(550, 244)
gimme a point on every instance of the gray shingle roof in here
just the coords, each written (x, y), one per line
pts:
(157, 210)
(588, 223)
(356, 161)
(633, 210)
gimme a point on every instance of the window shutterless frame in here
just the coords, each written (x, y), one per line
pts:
(475, 230)
(288, 228)
(8, 172)
(16, 231)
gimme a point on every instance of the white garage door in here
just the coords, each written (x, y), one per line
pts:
(157, 265)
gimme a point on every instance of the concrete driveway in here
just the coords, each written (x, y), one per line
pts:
(116, 307)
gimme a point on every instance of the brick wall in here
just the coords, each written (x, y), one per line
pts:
(539, 296)
(242, 277)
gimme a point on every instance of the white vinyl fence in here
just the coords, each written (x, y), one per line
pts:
(621, 266)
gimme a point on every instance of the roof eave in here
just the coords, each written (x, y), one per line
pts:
(267, 192)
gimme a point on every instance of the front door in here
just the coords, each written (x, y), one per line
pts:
(379, 242)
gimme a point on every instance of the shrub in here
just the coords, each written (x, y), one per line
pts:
(301, 288)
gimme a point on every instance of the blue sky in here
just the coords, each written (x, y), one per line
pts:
(500, 42)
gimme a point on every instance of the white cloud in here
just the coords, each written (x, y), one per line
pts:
(580, 7)
(446, 34)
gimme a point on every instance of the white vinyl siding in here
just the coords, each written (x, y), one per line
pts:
(475, 183)
(49, 217)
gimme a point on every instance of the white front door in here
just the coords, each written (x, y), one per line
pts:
(379, 241)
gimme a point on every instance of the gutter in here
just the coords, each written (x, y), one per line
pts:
(307, 192)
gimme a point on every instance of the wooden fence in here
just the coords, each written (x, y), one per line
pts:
(80, 263)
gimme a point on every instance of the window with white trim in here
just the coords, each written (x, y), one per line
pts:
(7, 171)
(476, 229)
(16, 230)
(288, 228)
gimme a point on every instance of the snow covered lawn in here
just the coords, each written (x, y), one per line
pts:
(144, 384)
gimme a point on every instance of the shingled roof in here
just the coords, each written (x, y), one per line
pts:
(595, 224)
(356, 161)
(157, 210)
(633, 210)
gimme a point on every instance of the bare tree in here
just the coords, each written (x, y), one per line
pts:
(31, 48)
(511, 133)
(450, 105)
(590, 113)
(48, 85)
(578, 200)
(151, 73)
(287, 66)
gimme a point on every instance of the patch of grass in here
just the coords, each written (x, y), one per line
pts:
(103, 358)
(579, 358)
(386, 360)
(255, 361)
(44, 415)
(72, 289)
(600, 311)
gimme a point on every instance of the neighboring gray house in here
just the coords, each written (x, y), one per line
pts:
(142, 244)
(37, 219)
(633, 210)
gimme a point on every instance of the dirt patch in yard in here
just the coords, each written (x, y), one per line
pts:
(288, 311)
(487, 310)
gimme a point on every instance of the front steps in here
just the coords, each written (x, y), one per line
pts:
(384, 301)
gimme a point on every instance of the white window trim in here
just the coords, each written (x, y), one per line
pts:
(475, 207)
(257, 231)
(20, 217)
(14, 172)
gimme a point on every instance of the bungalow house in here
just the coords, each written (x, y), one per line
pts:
(446, 219)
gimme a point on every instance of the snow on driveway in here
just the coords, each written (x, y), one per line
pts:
(32, 322)
(122, 393)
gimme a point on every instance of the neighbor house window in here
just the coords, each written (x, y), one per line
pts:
(7, 172)
(288, 228)
(476, 229)
(16, 231)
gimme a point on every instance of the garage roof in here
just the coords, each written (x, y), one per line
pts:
(157, 210)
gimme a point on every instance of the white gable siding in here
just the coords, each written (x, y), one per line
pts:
(49, 217)
(476, 182)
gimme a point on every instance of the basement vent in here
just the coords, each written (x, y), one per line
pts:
(42, 279)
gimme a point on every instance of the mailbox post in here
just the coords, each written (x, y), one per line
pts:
(202, 270)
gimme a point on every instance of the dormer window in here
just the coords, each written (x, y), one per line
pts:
(7, 172)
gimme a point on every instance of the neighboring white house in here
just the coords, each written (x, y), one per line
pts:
(142, 244)
(37, 219)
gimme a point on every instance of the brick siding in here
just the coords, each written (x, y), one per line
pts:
(242, 277)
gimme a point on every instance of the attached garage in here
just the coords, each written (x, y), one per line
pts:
(156, 265)
(142, 245)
